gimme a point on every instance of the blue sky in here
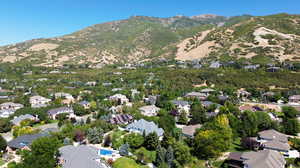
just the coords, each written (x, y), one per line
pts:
(27, 19)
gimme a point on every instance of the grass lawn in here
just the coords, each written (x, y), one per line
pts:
(125, 162)
(1, 162)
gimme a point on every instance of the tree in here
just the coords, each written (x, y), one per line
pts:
(214, 138)
(183, 118)
(151, 141)
(249, 125)
(88, 120)
(79, 110)
(198, 113)
(289, 112)
(124, 150)
(160, 155)
(79, 135)
(5, 125)
(95, 135)
(170, 156)
(42, 154)
(134, 140)
(3, 144)
(166, 121)
(182, 153)
(291, 126)
(107, 141)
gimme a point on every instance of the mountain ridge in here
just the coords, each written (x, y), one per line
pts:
(144, 38)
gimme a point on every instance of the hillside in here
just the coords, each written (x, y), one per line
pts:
(275, 37)
(142, 38)
(135, 39)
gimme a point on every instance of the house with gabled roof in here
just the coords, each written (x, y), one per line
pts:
(54, 112)
(80, 156)
(142, 126)
(19, 119)
(259, 159)
(24, 141)
(149, 111)
(39, 101)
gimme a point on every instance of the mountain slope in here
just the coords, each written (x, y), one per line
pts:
(274, 37)
(135, 39)
(141, 38)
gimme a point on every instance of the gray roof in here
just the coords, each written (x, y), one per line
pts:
(80, 156)
(143, 125)
(263, 159)
(180, 102)
(24, 140)
(60, 110)
(273, 135)
(276, 145)
(20, 118)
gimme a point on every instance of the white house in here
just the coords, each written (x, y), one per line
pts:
(39, 101)
(150, 110)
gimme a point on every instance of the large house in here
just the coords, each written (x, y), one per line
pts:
(119, 98)
(24, 141)
(54, 112)
(190, 130)
(39, 101)
(19, 119)
(182, 105)
(80, 156)
(295, 99)
(121, 119)
(149, 111)
(196, 95)
(259, 159)
(142, 126)
(9, 108)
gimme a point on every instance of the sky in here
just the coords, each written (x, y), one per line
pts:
(28, 19)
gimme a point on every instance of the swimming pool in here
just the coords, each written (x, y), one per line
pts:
(105, 152)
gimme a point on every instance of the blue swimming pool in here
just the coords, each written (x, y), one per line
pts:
(105, 152)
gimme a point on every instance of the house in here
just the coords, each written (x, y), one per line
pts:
(67, 97)
(215, 64)
(151, 100)
(121, 119)
(251, 67)
(274, 140)
(24, 141)
(273, 69)
(80, 156)
(259, 159)
(119, 98)
(91, 83)
(182, 105)
(294, 99)
(190, 130)
(243, 95)
(54, 112)
(10, 106)
(85, 104)
(196, 95)
(5, 113)
(142, 126)
(250, 108)
(150, 110)
(207, 91)
(39, 101)
(19, 119)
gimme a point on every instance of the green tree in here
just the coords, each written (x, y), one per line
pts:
(183, 118)
(95, 135)
(291, 126)
(42, 154)
(151, 141)
(5, 125)
(134, 140)
(3, 143)
(198, 113)
(249, 125)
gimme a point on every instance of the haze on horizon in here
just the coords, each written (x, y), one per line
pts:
(25, 20)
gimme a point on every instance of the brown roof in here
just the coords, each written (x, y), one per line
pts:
(263, 159)
(191, 129)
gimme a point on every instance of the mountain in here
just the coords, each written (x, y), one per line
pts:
(142, 38)
(267, 38)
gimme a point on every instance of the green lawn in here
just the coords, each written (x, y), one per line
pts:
(1, 162)
(125, 162)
